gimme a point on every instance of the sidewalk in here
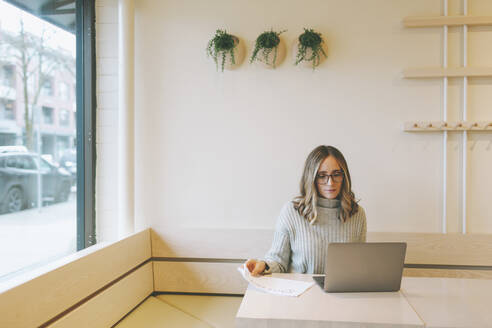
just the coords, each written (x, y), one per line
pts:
(33, 237)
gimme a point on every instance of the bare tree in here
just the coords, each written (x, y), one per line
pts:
(7, 93)
(36, 63)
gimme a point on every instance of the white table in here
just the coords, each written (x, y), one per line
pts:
(422, 302)
(315, 308)
(450, 302)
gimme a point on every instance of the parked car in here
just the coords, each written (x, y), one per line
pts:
(69, 162)
(19, 181)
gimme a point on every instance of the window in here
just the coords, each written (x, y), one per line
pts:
(7, 75)
(7, 109)
(26, 163)
(64, 91)
(64, 117)
(43, 166)
(21, 162)
(47, 86)
(54, 44)
(12, 162)
(48, 115)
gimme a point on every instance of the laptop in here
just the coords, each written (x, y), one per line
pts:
(363, 267)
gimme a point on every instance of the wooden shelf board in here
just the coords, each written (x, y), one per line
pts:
(430, 21)
(433, 72)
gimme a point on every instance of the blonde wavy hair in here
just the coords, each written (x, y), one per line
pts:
(305, 203)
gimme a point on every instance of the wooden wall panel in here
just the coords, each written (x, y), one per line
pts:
(423, 248)
(40, 299)
(199, 277)
(105, 309)
(442, 249)
(210, 243)
(203, 277)
(196, 277)
(448, 273)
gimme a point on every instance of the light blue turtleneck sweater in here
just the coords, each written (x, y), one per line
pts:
(301, 247)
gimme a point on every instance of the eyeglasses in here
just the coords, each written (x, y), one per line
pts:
(324, 178)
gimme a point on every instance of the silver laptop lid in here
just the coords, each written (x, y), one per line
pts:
(364, 267)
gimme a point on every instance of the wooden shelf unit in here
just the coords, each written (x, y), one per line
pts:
(438, 126)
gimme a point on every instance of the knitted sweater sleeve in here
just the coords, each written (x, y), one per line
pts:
(363, 225)
(278, 256)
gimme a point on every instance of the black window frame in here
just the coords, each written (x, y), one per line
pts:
(86, 122)
(85, 115)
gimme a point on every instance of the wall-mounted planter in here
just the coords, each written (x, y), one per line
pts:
(309, 49)
(239, 55)
(269, 50)
(226, 50)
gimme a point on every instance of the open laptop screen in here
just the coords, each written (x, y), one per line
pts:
(363, 267)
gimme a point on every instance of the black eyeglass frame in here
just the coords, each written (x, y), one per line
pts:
(336, 177)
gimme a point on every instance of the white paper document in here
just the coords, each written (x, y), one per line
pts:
(286, 287)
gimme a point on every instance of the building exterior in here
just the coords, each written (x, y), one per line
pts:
(54, 110)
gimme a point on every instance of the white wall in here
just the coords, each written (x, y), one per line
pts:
(107, 119)
(226, 150)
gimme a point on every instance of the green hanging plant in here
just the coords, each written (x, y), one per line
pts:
(267, 42)
(220, 45)
(310, 47)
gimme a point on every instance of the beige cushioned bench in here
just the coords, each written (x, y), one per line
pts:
(101, 285)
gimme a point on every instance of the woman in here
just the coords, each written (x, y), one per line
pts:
(326, 211)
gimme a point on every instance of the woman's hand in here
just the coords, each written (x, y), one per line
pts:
(255, 267)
